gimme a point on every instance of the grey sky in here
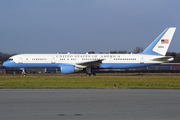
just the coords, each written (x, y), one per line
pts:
(49, 26)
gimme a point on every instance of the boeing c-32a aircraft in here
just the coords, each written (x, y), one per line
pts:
(71, 63)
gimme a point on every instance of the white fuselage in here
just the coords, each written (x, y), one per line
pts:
(79, 58)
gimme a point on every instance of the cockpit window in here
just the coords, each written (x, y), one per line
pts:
(10, 59)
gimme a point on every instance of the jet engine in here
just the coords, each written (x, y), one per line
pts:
(68, 69)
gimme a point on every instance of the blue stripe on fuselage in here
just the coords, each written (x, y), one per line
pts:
(11, 64)
(122, 66)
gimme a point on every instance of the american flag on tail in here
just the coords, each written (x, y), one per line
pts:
(164, 41)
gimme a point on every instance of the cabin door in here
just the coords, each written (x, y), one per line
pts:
(20, 60)
(53, 60)
(142, 60)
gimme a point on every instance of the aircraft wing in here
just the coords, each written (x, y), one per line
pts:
(93, 63)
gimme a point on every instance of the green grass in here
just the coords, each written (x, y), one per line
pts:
(57, 81)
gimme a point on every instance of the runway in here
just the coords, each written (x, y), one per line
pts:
(89, 104)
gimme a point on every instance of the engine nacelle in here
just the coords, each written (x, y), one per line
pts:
(68, 69)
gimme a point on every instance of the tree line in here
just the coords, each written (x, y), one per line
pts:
(4, 57)
(175, 55)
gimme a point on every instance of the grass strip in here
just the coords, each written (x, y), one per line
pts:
(83, 82)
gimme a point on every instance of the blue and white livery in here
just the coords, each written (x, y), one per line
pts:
(71, 63)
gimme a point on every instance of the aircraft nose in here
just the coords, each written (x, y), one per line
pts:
(6, 63)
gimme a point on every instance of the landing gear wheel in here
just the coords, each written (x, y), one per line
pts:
(94, 74)
(88, 74)
(23, 73)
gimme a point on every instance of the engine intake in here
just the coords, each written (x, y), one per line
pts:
(68, 69)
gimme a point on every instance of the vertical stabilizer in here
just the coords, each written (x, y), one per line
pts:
(161, 44)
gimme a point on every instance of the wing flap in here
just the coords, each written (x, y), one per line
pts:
(93, 63)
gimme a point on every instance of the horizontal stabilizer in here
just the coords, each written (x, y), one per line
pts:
(164, 59)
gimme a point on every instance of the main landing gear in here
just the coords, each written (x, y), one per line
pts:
(89, 72)
(94, 74)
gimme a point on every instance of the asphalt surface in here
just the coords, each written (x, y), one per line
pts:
(89, 104)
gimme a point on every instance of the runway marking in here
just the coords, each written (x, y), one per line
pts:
(62, 114)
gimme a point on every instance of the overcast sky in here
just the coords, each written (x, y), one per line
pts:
(50, 26)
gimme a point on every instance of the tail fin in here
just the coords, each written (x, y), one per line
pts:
(161, 44)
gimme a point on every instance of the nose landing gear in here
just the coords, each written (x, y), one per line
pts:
(23, 71)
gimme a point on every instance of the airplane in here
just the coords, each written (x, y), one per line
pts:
(71, 63)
